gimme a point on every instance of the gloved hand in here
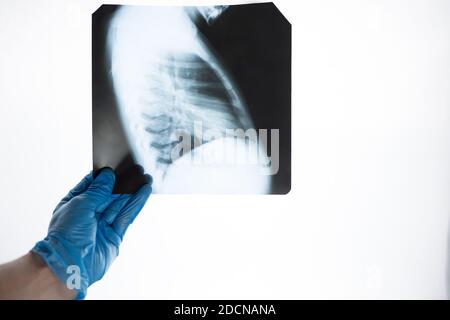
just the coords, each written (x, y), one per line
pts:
(87, 228)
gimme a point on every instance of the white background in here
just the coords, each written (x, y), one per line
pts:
(368, 214)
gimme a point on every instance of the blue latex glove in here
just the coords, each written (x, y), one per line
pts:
(87, 228)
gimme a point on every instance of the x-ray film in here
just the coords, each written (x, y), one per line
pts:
(197, 97)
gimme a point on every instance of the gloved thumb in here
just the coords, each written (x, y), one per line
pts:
(100, 190)
(131, 210)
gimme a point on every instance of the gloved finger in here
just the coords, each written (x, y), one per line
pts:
(100, 190)
(109, 200)
(78, 189)
(131, 209)
(111, 212)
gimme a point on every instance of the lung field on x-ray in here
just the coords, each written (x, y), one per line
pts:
(155, 74)
(185, 89)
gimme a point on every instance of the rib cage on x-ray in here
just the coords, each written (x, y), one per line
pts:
(166, 78)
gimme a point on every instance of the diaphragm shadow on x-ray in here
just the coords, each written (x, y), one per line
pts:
(198, 97)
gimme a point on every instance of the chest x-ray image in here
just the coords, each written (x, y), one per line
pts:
(198, 97)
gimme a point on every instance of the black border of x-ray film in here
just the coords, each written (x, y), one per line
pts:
(254, 44)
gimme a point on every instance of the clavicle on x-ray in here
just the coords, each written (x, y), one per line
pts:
(176, 109)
